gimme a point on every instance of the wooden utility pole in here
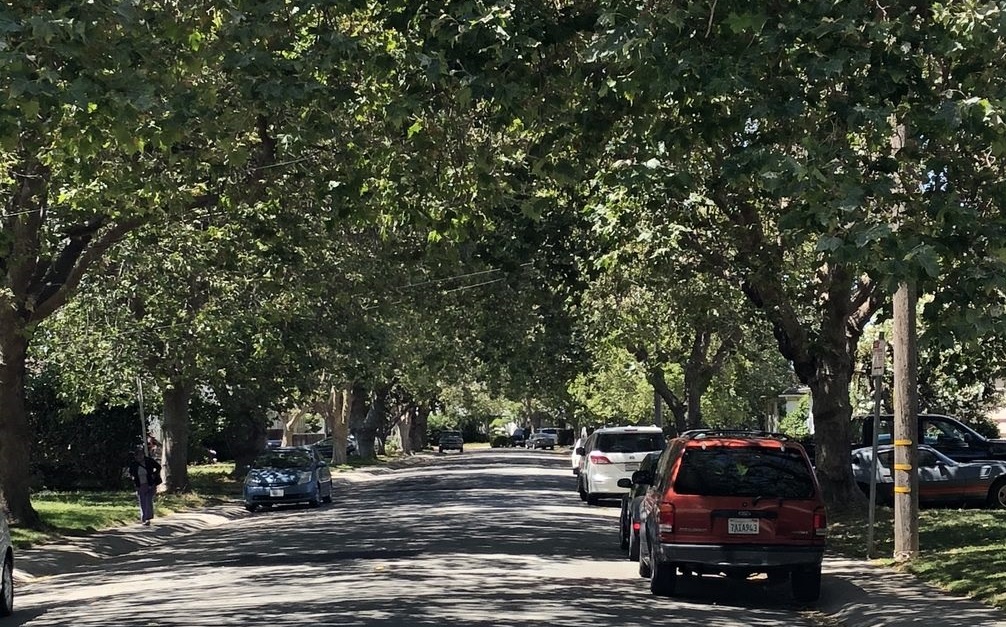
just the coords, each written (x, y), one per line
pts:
(906, 425)
(906, 422)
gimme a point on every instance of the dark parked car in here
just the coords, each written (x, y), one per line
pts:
(451, 441)
(541, 440)
(628, 520)
(288, 475)
(941, 479)
(324, 447)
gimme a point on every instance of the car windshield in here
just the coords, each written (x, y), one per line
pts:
(630, 442)
(450, 434)
(744, 471)
(283, 459)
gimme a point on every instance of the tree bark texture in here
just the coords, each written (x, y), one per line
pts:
(176, 435)
(335, 418)
(377, 419)
(15, 432)
(405, 429)
(417, 430)
(356, 399)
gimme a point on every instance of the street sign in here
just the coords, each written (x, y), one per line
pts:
(879, 357)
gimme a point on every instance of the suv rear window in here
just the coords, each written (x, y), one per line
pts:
(744, 471)
(630, 442)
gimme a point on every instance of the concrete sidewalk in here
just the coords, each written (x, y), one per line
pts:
(856, 593)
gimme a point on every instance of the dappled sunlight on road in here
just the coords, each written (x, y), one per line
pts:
(476, 539)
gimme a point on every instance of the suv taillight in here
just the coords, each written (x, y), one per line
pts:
(665, 516)
(820, 522)
(599, 459)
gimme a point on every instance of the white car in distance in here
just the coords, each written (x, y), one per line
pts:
(614, 453)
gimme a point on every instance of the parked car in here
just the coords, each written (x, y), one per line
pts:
(941, 479)
(451, 441)
(325, 447)
(541, 440)
(6, 570)
(733, 503)
(628, 519)
(288, 475)
(614, 453)
(575, 458)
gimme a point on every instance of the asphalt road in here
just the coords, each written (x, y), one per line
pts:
(482, 538)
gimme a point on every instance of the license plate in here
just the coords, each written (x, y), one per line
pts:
(742, 526)
(275, 491)
(631, 466)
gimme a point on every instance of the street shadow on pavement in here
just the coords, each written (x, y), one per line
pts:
(487, 538)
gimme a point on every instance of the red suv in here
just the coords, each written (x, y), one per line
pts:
(736, 503)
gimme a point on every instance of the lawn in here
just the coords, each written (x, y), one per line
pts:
(82, 512)
(960, 550)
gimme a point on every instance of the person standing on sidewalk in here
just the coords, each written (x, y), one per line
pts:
(146, 474)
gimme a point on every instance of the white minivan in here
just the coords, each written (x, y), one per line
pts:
(614, 453)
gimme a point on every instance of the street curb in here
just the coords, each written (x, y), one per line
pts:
(68, 553)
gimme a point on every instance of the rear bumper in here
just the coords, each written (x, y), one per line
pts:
(256, 495)
(741, 555)
(605, 483)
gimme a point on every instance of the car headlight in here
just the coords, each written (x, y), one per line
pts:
(304, 477)
(252, 478)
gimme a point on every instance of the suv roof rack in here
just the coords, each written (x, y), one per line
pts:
(695, 434)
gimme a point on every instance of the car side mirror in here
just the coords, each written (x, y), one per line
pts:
(642, 477)
(581, 451)
(624, 483)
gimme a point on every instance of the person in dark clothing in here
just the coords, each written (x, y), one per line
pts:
(146, 474)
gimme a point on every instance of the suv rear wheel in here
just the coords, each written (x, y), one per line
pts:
(663, 577)
(806, 583)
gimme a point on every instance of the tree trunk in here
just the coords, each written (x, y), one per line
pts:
(293, 423)
(15, 432)
(356, 399)
(678, 409)
(376, 419)
(336, 415)
(405, 429)
(832, 431)
(693, 420)
(417, 430)
(176, 436)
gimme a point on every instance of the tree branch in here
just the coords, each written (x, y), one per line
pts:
(54, 293)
